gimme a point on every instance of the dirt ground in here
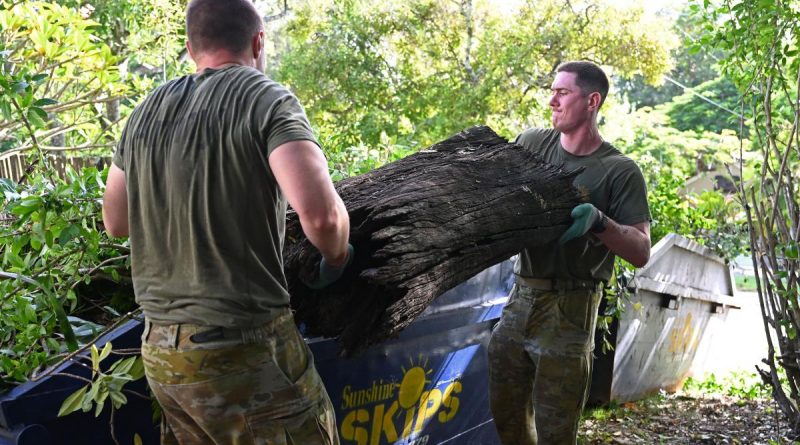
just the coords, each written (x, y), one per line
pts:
(687, 419)
(732, 409)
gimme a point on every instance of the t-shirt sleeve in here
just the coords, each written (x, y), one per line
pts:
(628, 203)
(532, 139)
(117, 159)
(285, 121)
(119, 152)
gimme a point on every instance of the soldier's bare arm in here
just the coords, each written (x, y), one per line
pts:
(302, 173)
(115, 203)
(631, 243)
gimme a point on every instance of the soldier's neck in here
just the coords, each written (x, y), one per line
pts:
(582, 141)
(221, 59)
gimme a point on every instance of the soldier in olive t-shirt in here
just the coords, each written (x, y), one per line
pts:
(615, 186)
(206, 217)
(203, 174)
(540, 353)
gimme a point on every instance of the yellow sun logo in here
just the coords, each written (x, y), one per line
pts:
(413, 384)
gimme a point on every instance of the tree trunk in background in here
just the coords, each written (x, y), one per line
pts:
(424, 224)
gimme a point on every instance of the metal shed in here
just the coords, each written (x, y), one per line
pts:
(680, 300)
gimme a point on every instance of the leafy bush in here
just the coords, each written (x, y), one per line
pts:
(52, 247)
(66, 83)
(668, 158)
(763, 63)
(49, 51)
(688, 112)
(413, 73)
(742, 385)
(59, 271)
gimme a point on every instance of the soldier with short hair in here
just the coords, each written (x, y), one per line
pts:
(540, 352)
(200, 182)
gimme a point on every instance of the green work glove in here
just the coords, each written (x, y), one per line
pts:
(329, 274)
(585, 218)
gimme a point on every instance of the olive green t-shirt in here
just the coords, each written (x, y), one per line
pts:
(616, 187)
(206, 216)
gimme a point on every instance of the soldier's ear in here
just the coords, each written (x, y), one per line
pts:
(257, 44)
(594, 100)
(189, 49)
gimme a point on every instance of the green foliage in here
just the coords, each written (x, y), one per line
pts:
(693, 66)
(138, 29)
(66, 81)
(762, 40)
(50, 246)
(711, 218)
(672, 213)
(85, 69)
(688, 112)
(616, 297)
(602, 414)
(54, 46)
(741, 385)
(18, 99)
(105, 385)
(668, 158)
(407, 74)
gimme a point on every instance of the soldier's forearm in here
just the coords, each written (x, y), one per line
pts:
(631, 243)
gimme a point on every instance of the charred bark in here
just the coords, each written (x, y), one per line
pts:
(424, 224)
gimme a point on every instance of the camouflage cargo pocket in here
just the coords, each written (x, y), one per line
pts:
(316, 426)
(265, 392)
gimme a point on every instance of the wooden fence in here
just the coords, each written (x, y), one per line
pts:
(13, 165)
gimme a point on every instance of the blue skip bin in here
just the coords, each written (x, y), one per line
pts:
(429, 386)
(29, 412)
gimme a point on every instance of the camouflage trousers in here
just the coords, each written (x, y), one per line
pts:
(237, 387)
(540, 361)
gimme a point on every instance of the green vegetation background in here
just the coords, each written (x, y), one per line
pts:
(379, 79)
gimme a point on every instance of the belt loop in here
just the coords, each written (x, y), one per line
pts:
(173, 335)
(147, 326)
(249, 335)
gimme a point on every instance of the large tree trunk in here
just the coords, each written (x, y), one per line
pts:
(424, 224)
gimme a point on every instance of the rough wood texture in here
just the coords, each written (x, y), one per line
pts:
(424, 224)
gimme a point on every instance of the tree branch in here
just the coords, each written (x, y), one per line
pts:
(278, 16)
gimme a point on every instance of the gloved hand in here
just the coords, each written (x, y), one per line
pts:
(329, 274)
(585, 217)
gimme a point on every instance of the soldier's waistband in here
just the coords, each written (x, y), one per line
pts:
(177, 333)
(562, 284)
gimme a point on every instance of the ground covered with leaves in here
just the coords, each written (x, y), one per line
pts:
(701, 414)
